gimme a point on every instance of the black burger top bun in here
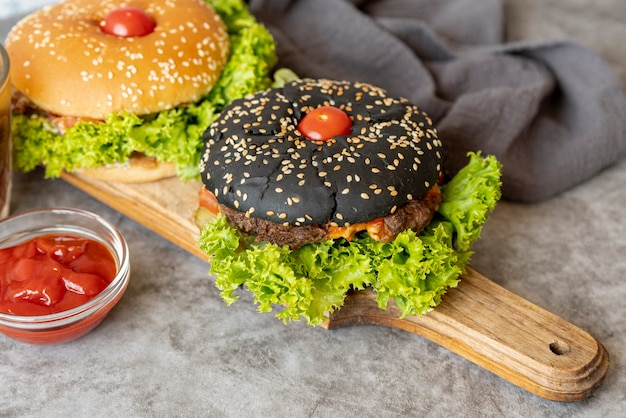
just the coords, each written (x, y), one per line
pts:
(256, 160)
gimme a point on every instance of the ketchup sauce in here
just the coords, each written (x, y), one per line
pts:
(53, 273)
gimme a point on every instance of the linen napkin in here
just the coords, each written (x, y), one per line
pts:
(553, 113)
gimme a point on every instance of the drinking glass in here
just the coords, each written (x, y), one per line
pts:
(5, 134)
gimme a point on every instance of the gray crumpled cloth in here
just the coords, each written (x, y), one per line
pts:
(552, 112)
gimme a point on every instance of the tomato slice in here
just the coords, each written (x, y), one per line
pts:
(127, 22)
(324, 123)
(208, 201)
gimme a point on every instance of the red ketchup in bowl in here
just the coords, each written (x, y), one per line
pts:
(53, 273)
(61, 271)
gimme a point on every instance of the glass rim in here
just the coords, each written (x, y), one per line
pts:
(5, 65)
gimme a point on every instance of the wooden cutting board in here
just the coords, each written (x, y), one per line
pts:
(166, 207)
(479, 320)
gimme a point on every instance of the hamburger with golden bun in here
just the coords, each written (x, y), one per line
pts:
(322, 186)
(123, 90)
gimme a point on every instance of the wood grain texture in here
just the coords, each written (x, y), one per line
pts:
(479, 320)
(499, 331)
(166, 207)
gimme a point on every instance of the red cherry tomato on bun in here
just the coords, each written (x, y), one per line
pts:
(127, 22)
(325, 122)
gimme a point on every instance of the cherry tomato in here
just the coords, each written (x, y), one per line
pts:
(324, 123)
(127, 22)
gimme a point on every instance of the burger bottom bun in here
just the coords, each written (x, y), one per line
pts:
(139, 169)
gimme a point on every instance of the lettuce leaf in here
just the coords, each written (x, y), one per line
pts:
(171, 136)
(468, 199)
(414, 270)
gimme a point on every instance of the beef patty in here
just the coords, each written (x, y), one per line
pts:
(415, 215)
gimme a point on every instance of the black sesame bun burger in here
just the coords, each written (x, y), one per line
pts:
(333, 185)
(112, 88)
(318, 160)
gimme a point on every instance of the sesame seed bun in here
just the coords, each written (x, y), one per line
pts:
(69, 66)
(257, 162)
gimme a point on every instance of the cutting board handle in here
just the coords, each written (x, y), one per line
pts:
(499, 331)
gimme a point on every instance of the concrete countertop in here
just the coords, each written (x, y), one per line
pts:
(171, 347)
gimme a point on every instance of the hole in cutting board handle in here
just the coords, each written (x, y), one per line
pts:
(559, 348)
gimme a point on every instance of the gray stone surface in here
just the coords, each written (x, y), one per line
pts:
(171, 347)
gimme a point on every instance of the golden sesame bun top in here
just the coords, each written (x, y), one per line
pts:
(67, 65)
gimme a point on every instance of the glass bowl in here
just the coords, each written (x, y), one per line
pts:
(73, 323)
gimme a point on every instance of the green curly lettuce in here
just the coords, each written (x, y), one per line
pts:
(170, 136)
(414, 270)
(464, 207)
